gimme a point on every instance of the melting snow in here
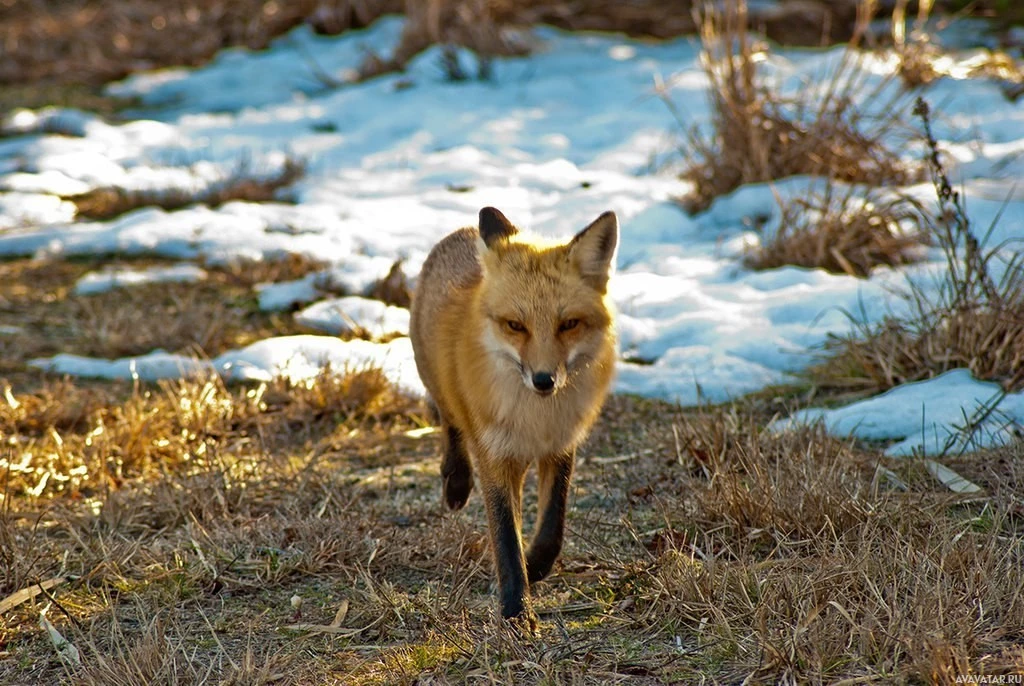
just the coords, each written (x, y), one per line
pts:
(352, 314)
(926, 417)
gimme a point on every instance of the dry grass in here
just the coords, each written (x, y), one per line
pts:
(483, 26)
(844, 232)
(86, 442)
(242, 184)
(793, 537)
(41, 94)
(393, 289)
(700, 546)
(759, 135)
(176, 521)
(916, 52)
(1004, 70)
(974, 321)
(96, 41)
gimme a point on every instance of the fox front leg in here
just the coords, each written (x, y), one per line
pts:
(503, 497)
(553, 477)
(456, 470)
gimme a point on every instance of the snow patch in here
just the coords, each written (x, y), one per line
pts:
(122, 277)
(927, 417)
(297, 358)
(353, 314)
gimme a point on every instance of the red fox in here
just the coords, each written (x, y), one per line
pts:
(515, 344)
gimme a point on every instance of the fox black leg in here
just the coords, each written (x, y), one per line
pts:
(504, 516)
(553, 476)
(456, 471)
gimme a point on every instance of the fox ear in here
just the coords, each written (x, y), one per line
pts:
(592, 250)
(494, 227)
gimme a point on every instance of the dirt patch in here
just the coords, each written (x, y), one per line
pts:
(44, 316)
(97, 41)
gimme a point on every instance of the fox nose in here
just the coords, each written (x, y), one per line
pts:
(543, 382)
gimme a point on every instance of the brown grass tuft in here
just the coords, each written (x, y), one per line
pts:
(976, 321)
(242, 184)
(843, 233)
(1004, 70)
(174, 428)
(916, 55)
(393, 289)
(483, 26)
(759, 135)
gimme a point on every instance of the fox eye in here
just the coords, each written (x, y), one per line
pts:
(513, 325)
(568, 325)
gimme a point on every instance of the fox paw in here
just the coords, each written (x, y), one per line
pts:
(538, 565)
(524, 623)
(456, 490)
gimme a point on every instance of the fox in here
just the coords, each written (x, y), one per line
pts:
(514, 340)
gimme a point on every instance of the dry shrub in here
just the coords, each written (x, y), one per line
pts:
(975, 321)
(916, 64)
(242, 184)
(916, 55)
(483, 26)
(849, 232)
(760, 135)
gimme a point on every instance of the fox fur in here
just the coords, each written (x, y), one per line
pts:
(515, 343)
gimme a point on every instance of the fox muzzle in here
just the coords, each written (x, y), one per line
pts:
(543, 382)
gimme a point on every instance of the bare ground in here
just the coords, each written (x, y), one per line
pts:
(177, 524)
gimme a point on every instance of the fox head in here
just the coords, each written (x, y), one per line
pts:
(546, 316)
